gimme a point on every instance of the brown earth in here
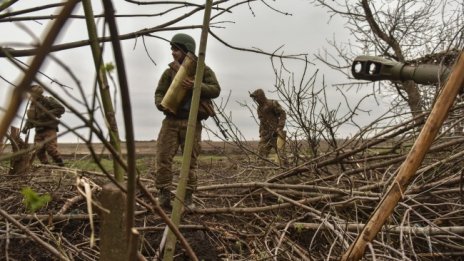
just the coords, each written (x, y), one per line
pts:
(148, 148)
(253, 210)
(211, 236)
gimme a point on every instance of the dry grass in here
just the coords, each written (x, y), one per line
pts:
(249, 210)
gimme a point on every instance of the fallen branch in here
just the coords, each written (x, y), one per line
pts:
(33, 236)
(354, 227)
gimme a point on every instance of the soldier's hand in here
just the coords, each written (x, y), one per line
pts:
(24, 130)
(56, 113)
(161, 108)
(187, 84)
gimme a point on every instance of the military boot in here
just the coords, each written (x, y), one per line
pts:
(42, 158)
(59, 162)
(188, 201)
(164, 198)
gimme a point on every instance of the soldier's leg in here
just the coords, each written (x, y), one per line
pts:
(192, 181)
(264, 147)
(39, 138)
(166, 148)
(192, 178)
(281, 153)
(52, 147)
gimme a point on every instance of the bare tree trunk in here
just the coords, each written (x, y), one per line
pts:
(19, 162)
(102, 80)
(413, 98)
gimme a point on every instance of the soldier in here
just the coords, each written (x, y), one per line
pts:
(272, 122)
(43, 115)
(174, 126)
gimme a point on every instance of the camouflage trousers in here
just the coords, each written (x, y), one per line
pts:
(170, 137)
(266, 144)
(47, 141)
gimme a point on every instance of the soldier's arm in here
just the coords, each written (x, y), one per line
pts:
(50, 105)
(281, 114)
(55, 107)
(210, 87)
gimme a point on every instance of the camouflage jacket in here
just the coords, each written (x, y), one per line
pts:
(44, 112)
(272, 118)
(210, 89)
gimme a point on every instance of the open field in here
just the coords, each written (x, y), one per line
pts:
(146, 148)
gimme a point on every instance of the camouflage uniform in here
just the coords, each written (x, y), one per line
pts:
(43, 114)
(272, 122)
(174, 128)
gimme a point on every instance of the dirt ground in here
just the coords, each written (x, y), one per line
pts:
(148, 148)
(76, 230)
(212, 236)
(248, 209)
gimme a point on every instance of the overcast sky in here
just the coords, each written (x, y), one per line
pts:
(305, 30)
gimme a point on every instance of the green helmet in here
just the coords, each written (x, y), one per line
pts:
(184, 41)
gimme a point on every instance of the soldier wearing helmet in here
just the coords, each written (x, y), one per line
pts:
(174, 126)
(184, 42)
(43, 115)
(272, 122)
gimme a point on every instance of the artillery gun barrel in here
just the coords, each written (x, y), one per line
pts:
(374, 68)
